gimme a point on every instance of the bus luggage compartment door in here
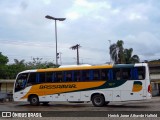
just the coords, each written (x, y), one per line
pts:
(74, 96)
(116, 95)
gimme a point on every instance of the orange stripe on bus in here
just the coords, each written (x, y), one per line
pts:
(57, 88)
(74, 68)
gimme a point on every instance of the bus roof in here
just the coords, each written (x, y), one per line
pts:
(75, 67)
(67, 66)
(85, 67)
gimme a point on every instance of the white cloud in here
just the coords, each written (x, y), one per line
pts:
(115, 11)
(83, 8)
(144, 44)
(137, 11)
(134, 16)
(72, 15)
(91, 5)
(89, 23)
(47, 2)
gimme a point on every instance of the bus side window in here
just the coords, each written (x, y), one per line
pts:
(53, 77)
(49, 76)
(32, 79)
(77, 75)
(126, 74)
(116, 74)
(68, 76)
(122, 74)
(72, 75)
(110, 74)
(134, 73)
(141, 73)
(58, 77)
(96, 75)
(104, 74)
(91, 75)
(85, 75)
(42, 77)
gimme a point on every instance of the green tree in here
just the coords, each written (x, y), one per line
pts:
(3, 66)
(17, 62)
(15, 68)
(11, 70)
(117, 52)
(3, 59)
(122, 56)
(37, 64)
(129, 58)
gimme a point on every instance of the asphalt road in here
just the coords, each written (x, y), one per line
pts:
(78, 109)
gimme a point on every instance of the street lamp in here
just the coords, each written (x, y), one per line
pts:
(59, 19)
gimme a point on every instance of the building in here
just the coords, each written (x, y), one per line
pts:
(155, 77)
(6, 86)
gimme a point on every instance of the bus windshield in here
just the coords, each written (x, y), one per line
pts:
(21, 82)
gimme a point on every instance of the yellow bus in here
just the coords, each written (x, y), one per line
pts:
(100, 84)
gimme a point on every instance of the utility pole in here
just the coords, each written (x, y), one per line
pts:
(76, 47)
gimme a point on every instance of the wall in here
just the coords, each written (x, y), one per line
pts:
(7, 87)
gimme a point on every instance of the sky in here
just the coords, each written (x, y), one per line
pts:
(25, 33)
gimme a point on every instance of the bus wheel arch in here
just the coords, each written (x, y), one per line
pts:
(33, 99)
(98, 99)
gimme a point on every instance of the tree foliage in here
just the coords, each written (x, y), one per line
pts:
(3, 59)
(117, 52)
(9, 71)
(122, 56)
(129, 58)
(3, 67)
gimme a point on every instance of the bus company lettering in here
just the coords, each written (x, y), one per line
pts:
(57, 86)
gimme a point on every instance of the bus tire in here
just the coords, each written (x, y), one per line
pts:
(34, 100)
(98, 100)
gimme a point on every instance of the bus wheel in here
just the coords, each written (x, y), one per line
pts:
(98, 100)
(34, 100)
